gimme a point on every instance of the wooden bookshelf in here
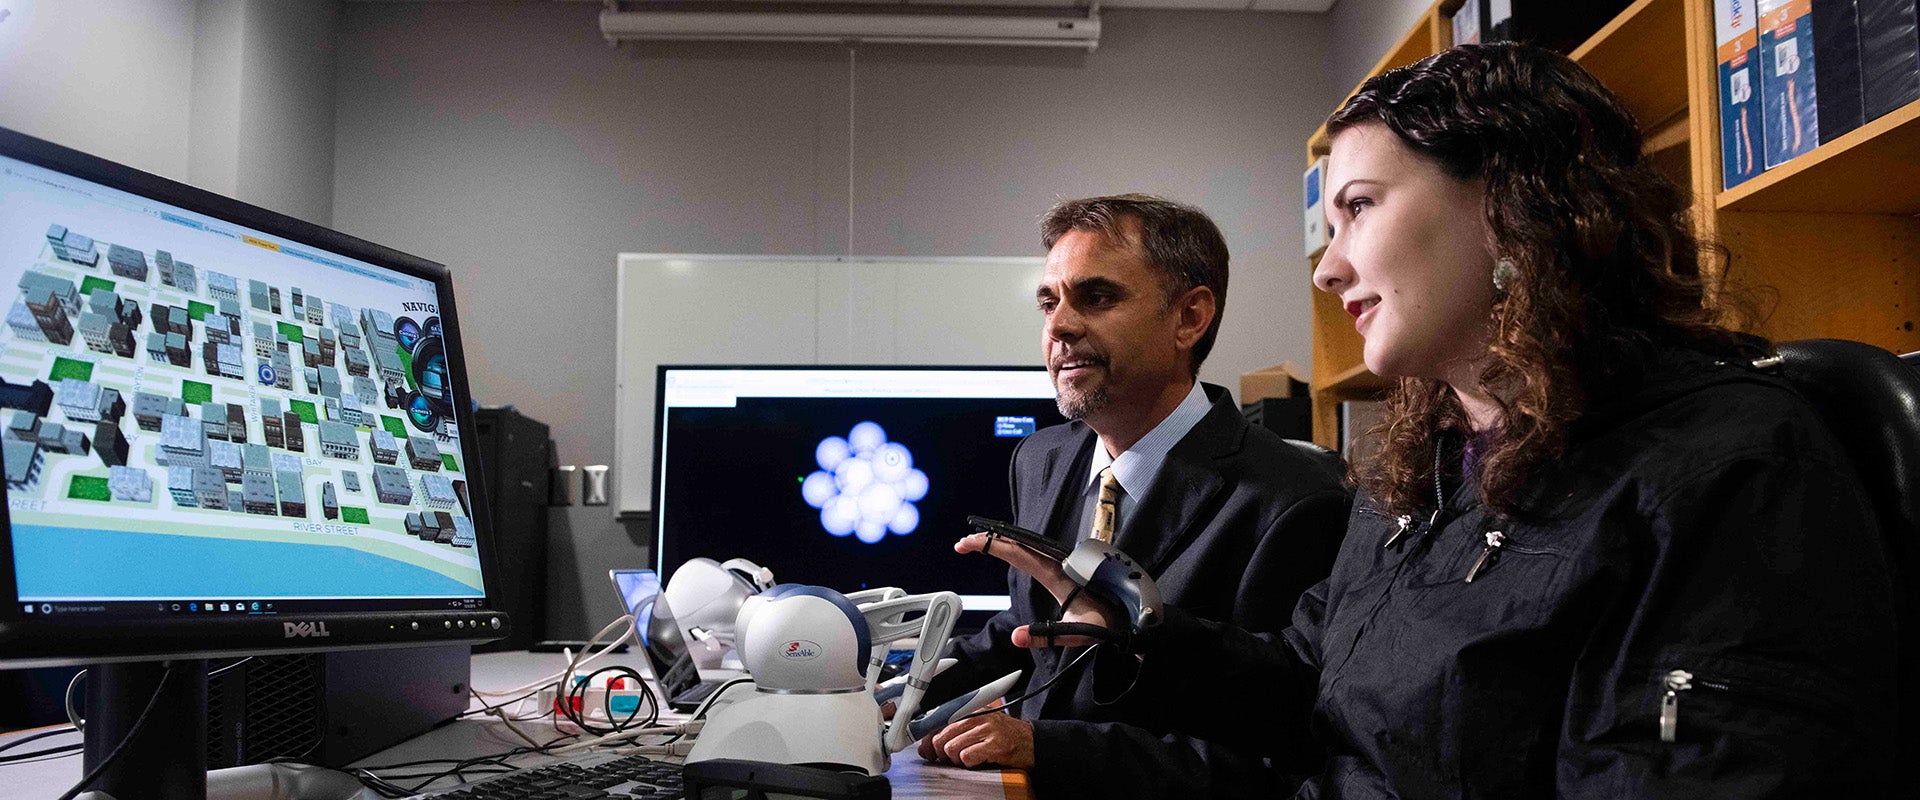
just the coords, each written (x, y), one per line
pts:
(1642, 57)
(1873, 169)
(1829, 241)
(1433, 33)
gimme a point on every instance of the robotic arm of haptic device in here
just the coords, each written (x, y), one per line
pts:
(890, 621)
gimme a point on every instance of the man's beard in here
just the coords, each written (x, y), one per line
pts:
(1076, 404)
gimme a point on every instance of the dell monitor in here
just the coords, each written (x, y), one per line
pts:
(226, 432)
(844, 477)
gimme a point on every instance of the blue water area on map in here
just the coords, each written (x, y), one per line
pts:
(77, 562)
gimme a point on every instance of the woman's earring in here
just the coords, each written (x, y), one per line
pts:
(1504, 274)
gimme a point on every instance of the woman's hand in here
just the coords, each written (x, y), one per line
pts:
(1048, 574)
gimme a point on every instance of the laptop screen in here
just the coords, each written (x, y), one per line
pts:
(637, 588)
(659, 636)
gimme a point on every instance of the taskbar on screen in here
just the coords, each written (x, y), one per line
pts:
(236, 607)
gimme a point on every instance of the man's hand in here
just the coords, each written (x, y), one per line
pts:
(1047, 573)
(997, 739)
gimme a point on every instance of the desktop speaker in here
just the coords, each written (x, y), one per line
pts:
(331, 708)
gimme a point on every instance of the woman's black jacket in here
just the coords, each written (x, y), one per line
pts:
(1703, 549)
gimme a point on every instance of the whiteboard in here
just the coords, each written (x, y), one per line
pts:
(777, 310)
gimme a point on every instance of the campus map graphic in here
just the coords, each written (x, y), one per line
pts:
(159, 411)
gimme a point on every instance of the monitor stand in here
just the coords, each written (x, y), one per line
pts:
(167, 759)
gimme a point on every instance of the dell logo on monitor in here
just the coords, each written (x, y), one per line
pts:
(306, 630)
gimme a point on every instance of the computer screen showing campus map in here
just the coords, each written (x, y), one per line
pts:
(198, 417)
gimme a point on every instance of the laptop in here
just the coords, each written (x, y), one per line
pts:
(661, 639)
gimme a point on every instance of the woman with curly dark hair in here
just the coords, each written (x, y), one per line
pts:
(1600, 555)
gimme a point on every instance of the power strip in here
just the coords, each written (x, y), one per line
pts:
(593, 703)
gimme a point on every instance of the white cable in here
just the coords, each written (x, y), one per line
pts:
(566, 677)
(689, 728)
(230, 666)
(506, 719)
(674, 750)
(574, 662)
(73, 714)
(80, 724)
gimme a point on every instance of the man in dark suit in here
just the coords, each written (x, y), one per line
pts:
(1233, 522)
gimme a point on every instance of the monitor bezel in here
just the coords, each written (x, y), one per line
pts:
(660, 415)
(33, 640)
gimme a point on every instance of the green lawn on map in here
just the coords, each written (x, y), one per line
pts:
(87, 487)
(90, 284)
(194, 393)
(198, 311)
(357, 516)
(64, 368)
(305, 411)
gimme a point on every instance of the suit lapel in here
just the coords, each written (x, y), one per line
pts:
(1058, 482)
(1176, 506)
(1065, 461)
(1058, 469)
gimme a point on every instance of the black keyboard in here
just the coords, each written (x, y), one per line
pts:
(590, 777)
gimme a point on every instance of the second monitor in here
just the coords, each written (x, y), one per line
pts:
(845, 477)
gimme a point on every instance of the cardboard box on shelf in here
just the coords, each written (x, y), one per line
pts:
(1281, 380)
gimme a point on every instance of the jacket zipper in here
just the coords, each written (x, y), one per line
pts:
(1679, 682)
(1433, 522)
(1406, 522)
(1495, 541)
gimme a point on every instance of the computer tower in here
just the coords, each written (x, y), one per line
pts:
(1291, 417)
(331, 708)
(515, 453)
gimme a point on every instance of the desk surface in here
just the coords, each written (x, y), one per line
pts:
(912, 778)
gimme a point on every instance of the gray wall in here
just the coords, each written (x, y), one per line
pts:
(113, 79)
(1359, 32)
(285, 156)
(511, 143)
(233, 96)
(214, 127)
(262, 126)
